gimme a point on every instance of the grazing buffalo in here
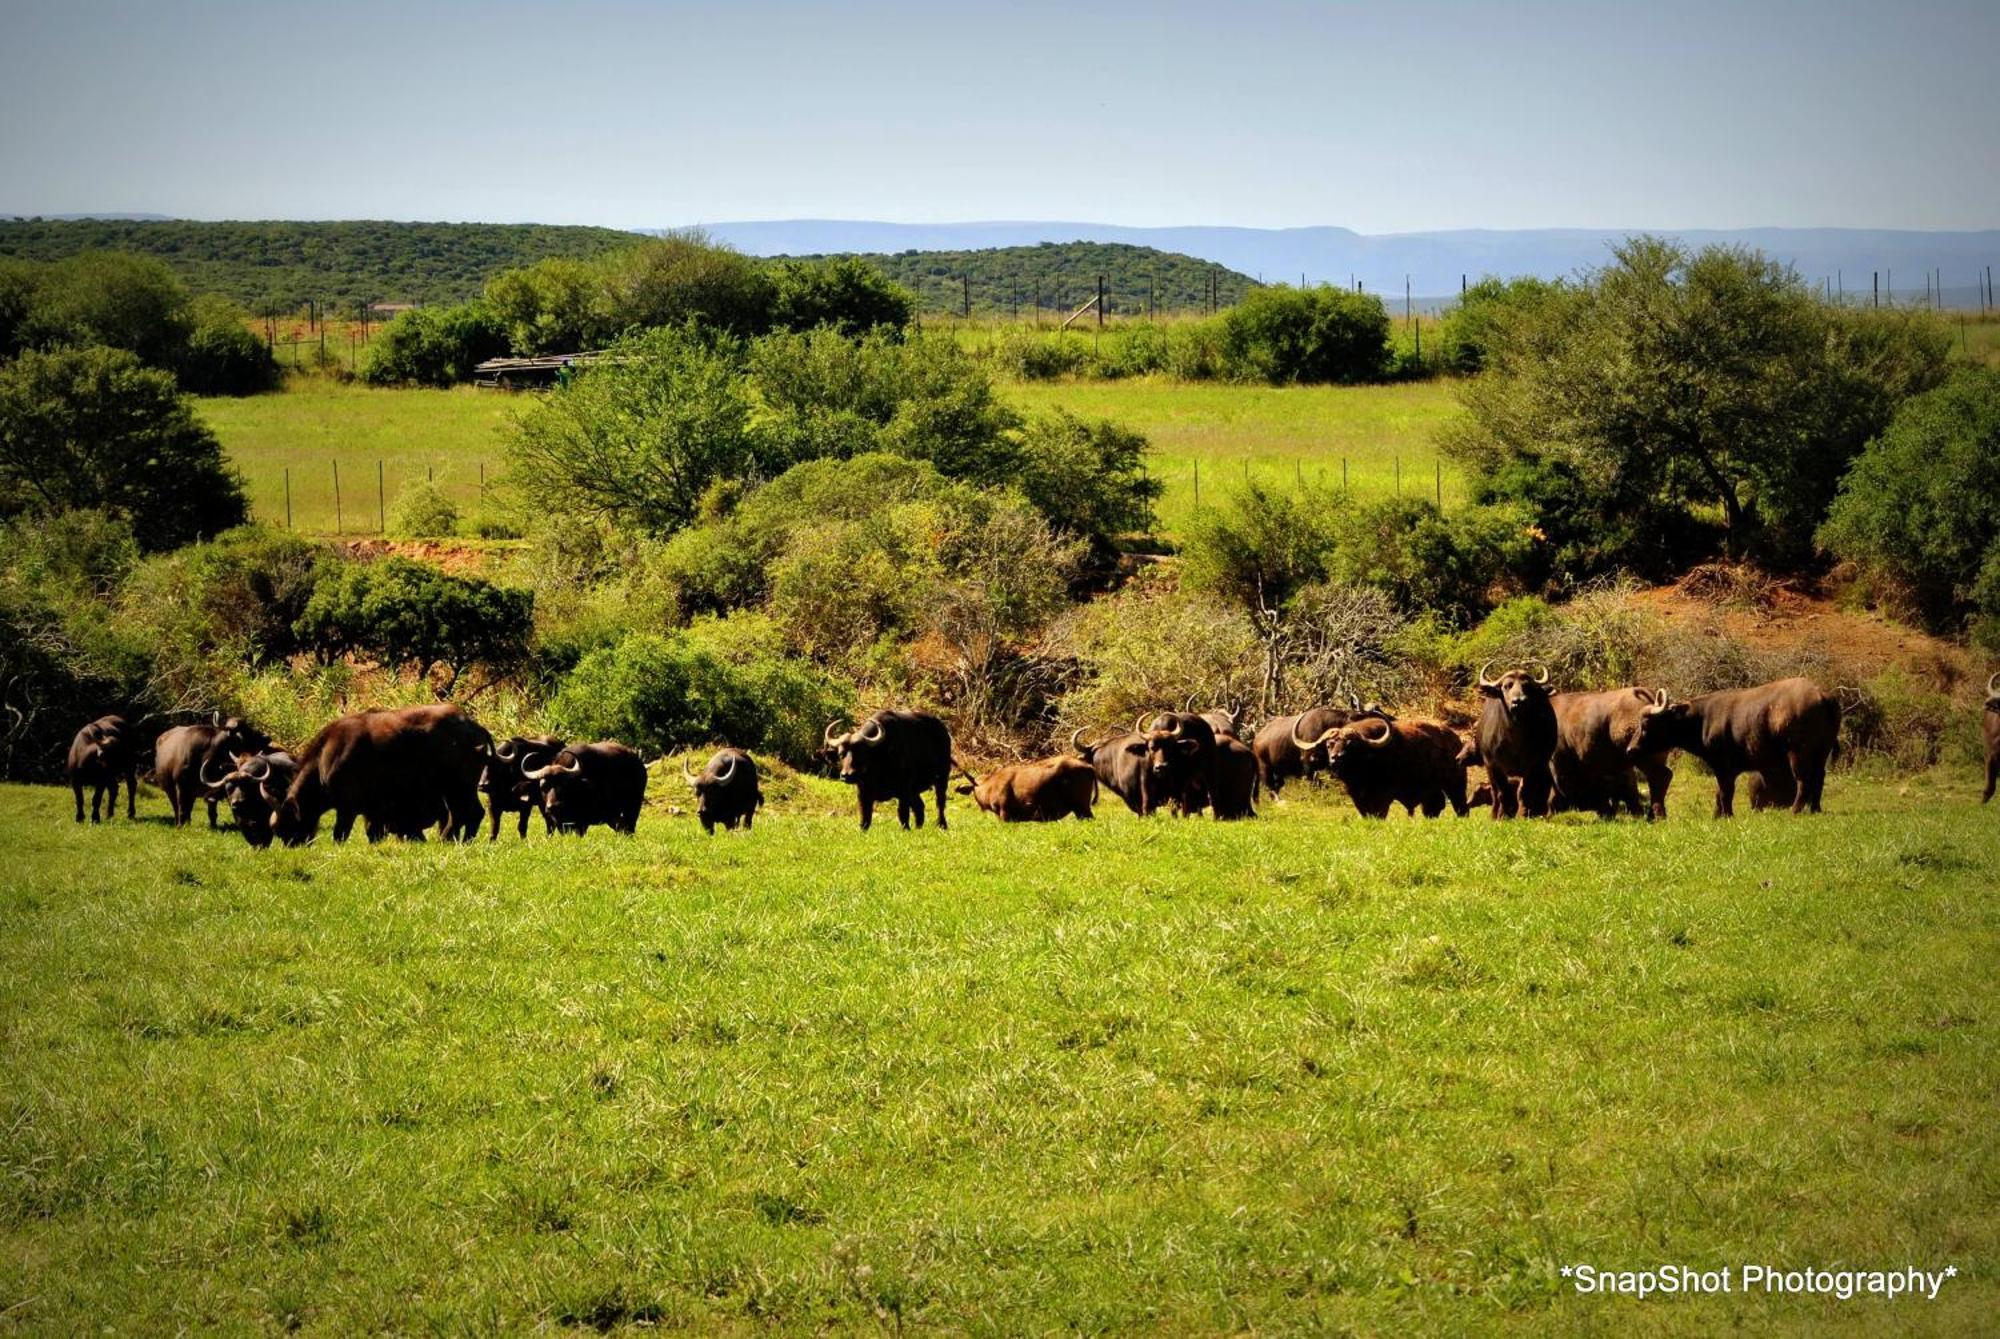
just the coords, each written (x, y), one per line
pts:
(1180, 761)
(187, 755)
(1222, 720)
(1295, 746)
(1787, 731)
(726, 792)
(588, 784)
(400, 770)
(1597, 760)
(103, 754)
(1516, 738)
(894, 755)
(1411, 763)
(1120, 765)
(506, 790)
(1036, 792)
(255, 789)
(1990, 723)
(1235, 778)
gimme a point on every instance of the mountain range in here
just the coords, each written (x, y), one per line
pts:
(1432, 262)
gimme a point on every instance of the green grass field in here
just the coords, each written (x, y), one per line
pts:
(1227, 433)
(1304, 1073)
(317, 423)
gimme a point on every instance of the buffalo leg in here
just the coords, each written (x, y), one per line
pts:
(1992, 777)
(343, 824)
(131, 796)
(1434, 804)
(917, 810)
(77, 786)
(1725, 794)
(1535, 788)
(942, 825)
(1810, 773)
(867, 812)
(211, 816)
(1658, 777)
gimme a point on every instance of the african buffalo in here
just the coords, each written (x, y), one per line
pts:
(1222, 720)
(103, 754)
(254, 789)
(1990, 723)
(726, 792)
(1786, 730)
(588, 784)
(894, 755)
(1180, 761)
(1235, 778)
(399, 770)
(1411, 763)
(1596, 755)
(506, 790)
(1120, 765)
(1516, 736)
(185, 753)
(1282, 756)
(1036, 792)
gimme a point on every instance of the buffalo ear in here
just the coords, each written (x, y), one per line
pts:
(962, 788)
(1489, 690)
(1190, 745)
(1137, 750)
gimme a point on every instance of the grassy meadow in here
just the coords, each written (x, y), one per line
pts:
(1301, 1073)
(1226, 432)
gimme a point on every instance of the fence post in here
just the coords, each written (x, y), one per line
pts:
(1197, 485)
(381, 504)
(1399, 476)
(339, 522)
(1343, 474)
(1438, 467)
(288, 497)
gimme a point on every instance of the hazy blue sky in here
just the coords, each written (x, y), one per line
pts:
(1383, 117)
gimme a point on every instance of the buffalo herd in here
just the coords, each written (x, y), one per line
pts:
(403, 771)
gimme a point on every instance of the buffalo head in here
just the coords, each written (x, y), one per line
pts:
(854, 751)
(1351, 748)
(1517, 687)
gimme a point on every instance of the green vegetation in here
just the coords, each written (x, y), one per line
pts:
(1306, 1073)
(279, 266)
(1921, 507)
(1055, 278)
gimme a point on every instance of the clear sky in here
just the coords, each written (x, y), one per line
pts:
(1395, 116)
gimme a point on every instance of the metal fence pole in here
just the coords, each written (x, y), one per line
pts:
(339, 524)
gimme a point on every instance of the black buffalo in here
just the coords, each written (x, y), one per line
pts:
(1235, 778)
(1785, 731)
(103, 754)
(255, 789)
(1516, 736)
(506, 790)
(187, 758)
(1990, 724)
(399, 770)
(1289, 747)
(726, 792)
(1598, 759)
(1180, 761)
(590, 784)
(1120, 764)
(894, 755)
(1411, 763)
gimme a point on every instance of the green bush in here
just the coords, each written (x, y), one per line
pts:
(845, 293)
(554, 306)
(665, 693)
(92, 428)
(1040, 355)
(403, 613)
(684, 279)
(435, 346)
(1194, 351)
(1472, 327)
(423, 512)
(1283, 335)
(1921, 506)
(1087, 479)
(223, 355)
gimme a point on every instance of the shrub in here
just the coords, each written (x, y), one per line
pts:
(111, 298)
(1261, 546)
(1471, 328)
(684, 279)
(1039, 355)
(1283, 335)
(554, 306)
(1194, 351)
(845, 293)
(1423, 558)
(1147, 648)
(423, 512)
(1921, 505)
(223, 355)
(91, 428)
(665, 693)
(403, 613)
(638, 440)
(1087, 479)
(435, 346)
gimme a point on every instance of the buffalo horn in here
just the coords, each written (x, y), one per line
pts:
(1075, 736)
(1139, 726)
(728, 769)
(505, 750)
(210, 781)
(1304, 746)
(1485, 682)
(1659, 702)
(686, 771)
(1993, 683)
(1370, 736)
(256, 768)
(1543, 677)
(871, 729)
(826, 737)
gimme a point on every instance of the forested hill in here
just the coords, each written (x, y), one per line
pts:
(1060, 276)
(281, 265)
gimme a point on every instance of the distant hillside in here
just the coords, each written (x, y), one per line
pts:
(1432, 261)
(1059, 277)
(281, 265)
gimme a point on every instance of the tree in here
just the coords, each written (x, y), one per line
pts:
(1088, 479)
(1283, 335)
(684, 277)
(399, 612)
(1673, 383)
(112, 298)
(1472, 327)
(639, 438)
(554, 306)
(92, 428)
(223, 355)
(1921, 505)
(435, 346)
(846, 293)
